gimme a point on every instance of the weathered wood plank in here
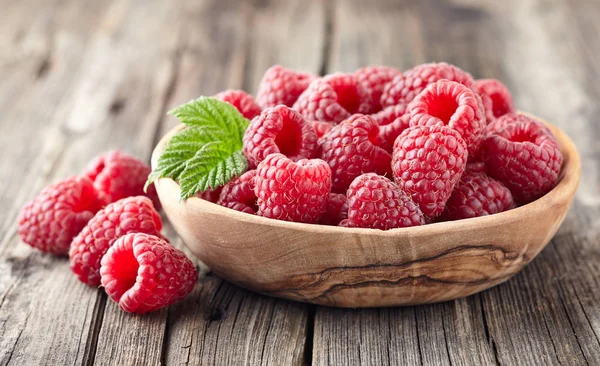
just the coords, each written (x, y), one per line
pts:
(548, 313)
(221, 323)
(103, 84)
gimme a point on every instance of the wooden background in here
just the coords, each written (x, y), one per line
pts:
(80, 77)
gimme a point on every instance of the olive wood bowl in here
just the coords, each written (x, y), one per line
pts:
(353, 267)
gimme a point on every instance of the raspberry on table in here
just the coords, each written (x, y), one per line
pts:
(144, 273)
(497, 97)
(428, 161)
(321, 128)
(406, 86)
(351, 149)
(292, 191)
(524, 156)
(238, 194)
(454, 105)
(476, 195)
(333, 98)
(242, 101)
(336, 210)
(52, 219)
(392, 121)
(121, 175)
(280, 85)
(211, 195)
(129, 215)
(279, 130)
(374, 79)
(378, 203)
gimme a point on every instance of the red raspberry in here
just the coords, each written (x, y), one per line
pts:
(476, 195)
(512, 118)
(378, 203)
(525, 157)
(51, 220)
(242, 101)
(374, 78)
(406, 86)
(282, 86)
(129, 215)
(239, 195)
(351, 149)
(279, 130)
(144, 273)
(333, 98)
(321, 128)
(428, 162)
(454, 105)
(497, 97)
(211, 195)
(392, 121)
(120, 175)
(336, 210)
(292, 191)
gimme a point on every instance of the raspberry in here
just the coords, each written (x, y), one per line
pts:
(333, 98)
(497, 97)
(282, 86)
(321, 128)
(427, 163)
(292, 191)
(378, 203)
(239, 195)
(129, 215)
(525, 157)
(242, 101)
(51, 220)
(211, 195)
(374, 78)
(476, 195)
(120, 175)
(392, 121)
(452, 104)
(279, 130)
(406, 86)
(351, 149)
(144, 273)
(512, 118)
(336, 210)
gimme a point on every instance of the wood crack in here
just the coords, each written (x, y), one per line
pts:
(486, 329)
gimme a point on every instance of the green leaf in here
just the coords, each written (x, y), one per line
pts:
(214, 163)
(207, 152)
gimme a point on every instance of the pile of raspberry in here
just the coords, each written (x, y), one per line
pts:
(111, 229)
(382, 148)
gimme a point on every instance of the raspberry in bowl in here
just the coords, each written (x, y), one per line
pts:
(357, 267)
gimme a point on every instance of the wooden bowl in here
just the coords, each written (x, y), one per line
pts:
(351, 267)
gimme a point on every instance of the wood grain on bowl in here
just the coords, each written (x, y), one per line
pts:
(351, 267)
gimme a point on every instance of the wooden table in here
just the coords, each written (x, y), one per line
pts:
(80, 77)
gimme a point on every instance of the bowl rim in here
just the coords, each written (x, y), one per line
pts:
(565, 189)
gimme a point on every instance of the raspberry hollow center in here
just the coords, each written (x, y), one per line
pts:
(443, 107)
(288, 140)
(125, 269)
(348, 98)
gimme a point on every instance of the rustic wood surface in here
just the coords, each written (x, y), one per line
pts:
(78, 77)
